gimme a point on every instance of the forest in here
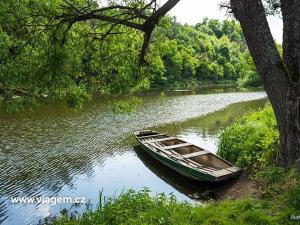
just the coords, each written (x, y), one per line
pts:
(39, 61)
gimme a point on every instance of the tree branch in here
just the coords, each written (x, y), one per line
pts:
(126, 18)
(111, 19)
(150, 24)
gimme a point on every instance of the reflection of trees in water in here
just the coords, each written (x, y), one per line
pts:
(47, 171)
(41, 157)
(3, 210)
(45, 174)
(211, 124)
(193, 189)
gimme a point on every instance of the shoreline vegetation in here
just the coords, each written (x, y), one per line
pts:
(35, 66)
(274, 200)
(18, 104)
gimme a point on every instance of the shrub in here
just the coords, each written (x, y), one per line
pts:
(252, 140)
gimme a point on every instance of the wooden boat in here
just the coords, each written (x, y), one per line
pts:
(185, 158)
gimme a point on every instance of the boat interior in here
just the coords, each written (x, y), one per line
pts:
(188, 153)
(211, 161)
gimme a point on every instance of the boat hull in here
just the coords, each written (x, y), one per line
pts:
(181, 169)
(185, 158)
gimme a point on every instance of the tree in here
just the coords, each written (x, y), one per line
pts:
(280, 76)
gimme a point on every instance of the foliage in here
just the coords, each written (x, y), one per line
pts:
(17, 104)
(272, 7)
(40, 64)
(126, 106)
(252, 141)
(210, 52)
(278, 184)
(248, 76)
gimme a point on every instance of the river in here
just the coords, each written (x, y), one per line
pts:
(60, 152)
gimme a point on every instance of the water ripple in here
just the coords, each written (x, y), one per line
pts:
(43, 153)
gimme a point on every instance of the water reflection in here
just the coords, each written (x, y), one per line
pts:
(193, 189)
(204, 131)
(57, 151)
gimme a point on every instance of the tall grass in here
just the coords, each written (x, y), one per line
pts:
(141, 208)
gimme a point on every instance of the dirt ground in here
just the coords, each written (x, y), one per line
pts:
(241, 187)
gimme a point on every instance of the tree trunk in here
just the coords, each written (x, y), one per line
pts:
(281, 85)
(289, 131)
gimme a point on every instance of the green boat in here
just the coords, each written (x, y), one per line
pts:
(185, 158)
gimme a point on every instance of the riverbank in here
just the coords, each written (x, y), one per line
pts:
(265, 194)
(21, 103)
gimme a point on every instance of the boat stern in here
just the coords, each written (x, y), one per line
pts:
(144, 133)
(227, 173)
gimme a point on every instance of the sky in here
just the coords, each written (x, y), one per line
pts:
(193, 11)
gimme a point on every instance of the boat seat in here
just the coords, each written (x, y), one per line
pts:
(153, 135)
(161, 139)
(176, 146)
(233, 169)
(194, 154)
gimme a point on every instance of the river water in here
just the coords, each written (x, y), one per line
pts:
(61, 152)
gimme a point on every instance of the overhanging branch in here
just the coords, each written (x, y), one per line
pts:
(137, 18)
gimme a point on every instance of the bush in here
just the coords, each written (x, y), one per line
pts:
(252, 140)
(251, 79)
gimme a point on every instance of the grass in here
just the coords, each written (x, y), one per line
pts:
(140, 208)
(279, 201)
